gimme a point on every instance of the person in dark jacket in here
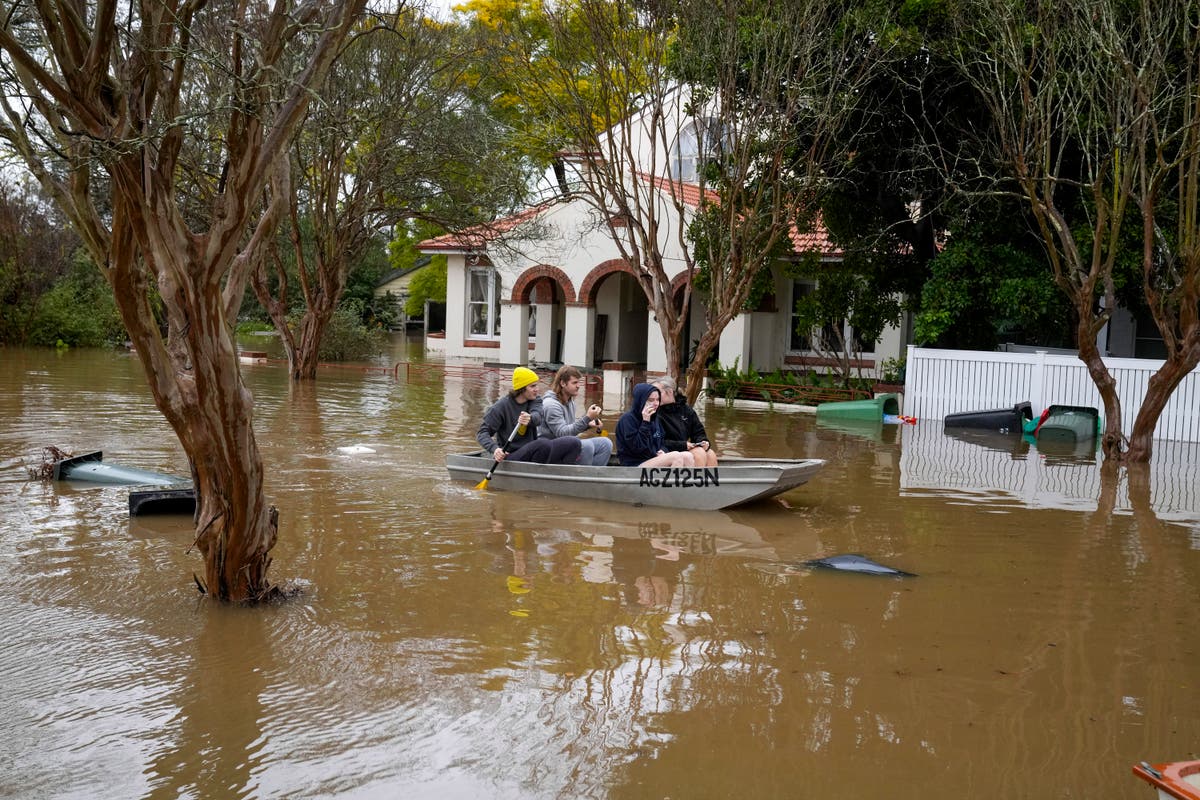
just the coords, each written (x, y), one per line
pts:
(520, 410)
(682, 428)
(640, 437)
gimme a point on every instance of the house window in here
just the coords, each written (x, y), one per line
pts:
(483, 304)
(698, 141)
(826, 339)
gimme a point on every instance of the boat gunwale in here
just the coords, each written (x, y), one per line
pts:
(1171, 778)
(749, 479)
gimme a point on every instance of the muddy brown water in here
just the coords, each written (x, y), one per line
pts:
(452, 643)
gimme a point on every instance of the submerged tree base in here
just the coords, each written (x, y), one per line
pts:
(272, 595)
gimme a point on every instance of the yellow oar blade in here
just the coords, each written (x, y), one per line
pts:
(482, 484)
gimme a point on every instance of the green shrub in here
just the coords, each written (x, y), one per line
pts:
(246, 326)
(78, 311)
(892, 370)
(347, 338)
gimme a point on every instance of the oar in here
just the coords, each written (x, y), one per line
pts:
(483, 483)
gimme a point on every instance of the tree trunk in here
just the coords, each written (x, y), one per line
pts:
(308, 348)
(197, 385)
(1113, 440)
(697, 369)
(1158, 392)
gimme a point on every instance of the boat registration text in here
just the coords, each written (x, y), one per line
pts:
(679, 477)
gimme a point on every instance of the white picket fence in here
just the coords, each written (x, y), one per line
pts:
(970, 472)
(941, 382)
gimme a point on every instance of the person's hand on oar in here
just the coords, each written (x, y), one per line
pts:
(499, 456)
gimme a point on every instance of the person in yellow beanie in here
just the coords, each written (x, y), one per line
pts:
(517, 415)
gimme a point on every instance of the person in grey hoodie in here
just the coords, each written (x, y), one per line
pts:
(509, 427)
(558, 417)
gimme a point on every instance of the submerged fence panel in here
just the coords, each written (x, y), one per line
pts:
(941, 382)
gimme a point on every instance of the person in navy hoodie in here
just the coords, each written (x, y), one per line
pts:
(640, 437)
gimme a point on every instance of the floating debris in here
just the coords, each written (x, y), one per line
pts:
(852, 562)
(45, 471)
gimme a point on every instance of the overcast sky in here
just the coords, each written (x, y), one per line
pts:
(440, 8)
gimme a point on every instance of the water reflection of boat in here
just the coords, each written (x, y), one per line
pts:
(1179, 780)
(735, 482)
(697, 533)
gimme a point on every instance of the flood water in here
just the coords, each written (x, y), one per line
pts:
(453, 643)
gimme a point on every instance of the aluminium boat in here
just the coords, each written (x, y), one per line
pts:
(734, 482)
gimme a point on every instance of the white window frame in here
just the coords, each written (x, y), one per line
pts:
(847, 329)
(485, 309)
(699, 140)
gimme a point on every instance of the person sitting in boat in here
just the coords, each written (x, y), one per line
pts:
(682, 429)
(517, 415)
(558, 417)
(640, 437)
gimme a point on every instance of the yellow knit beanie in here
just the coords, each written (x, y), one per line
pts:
(522, 377)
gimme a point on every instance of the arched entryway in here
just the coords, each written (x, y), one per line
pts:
(544, 291)
(621, 313)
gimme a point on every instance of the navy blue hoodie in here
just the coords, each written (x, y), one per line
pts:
(638, 440)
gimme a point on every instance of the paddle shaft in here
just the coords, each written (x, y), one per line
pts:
(507, 442)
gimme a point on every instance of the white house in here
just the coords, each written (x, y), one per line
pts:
(396, 283)
(549, 284)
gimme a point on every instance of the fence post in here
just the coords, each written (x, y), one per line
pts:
(913, 372)
(1037, 383)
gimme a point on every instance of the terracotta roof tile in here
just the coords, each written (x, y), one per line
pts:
(816, 240)
(476, 237)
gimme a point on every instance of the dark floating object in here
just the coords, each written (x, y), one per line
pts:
(855, 563)
(1001, 420)
(166, 500)
(90, 467)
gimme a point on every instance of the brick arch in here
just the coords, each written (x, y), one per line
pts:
(678, 282)
(587, 291)
(524, 285)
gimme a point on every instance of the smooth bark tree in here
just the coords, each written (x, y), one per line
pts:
(779, 82)
(155, 126)
(588, 82)
(1091, 116)
(761, 88)
(395, 136)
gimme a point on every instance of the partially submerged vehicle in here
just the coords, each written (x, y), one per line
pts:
(734, 482)
(163, 500)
